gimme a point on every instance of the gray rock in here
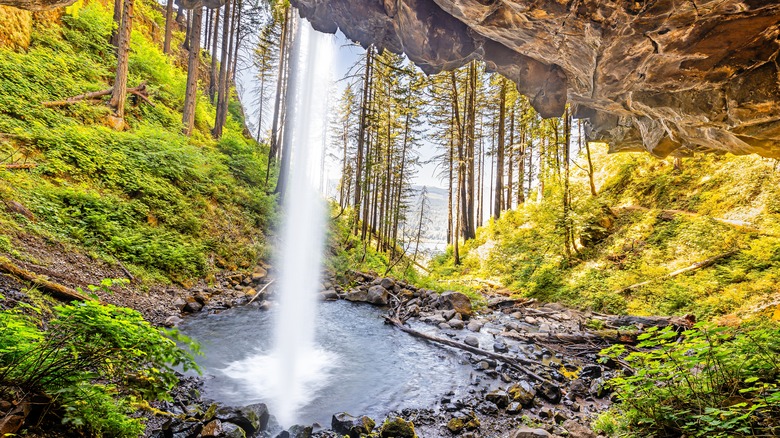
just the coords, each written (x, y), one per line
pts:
(387, 283)
(455, 300)
(193, 307)
(444, 326)
(329, 295)
(500, 347)
(498, 397)
(523, 393)
(357, 295)
(456, 324)
(353, 426)
(448, 314)
(487, 408)
(230, 430)
(299, 431)
(474, 326)
(577, 430)
(514, 408)
(377, 295)
(173, 321)
(527, 432)
(551, 392)
(471, 341)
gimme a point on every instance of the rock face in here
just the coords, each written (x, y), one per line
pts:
(666, 76)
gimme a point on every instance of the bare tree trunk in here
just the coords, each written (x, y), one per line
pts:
(213, 69)
(280, 90)
(362, 133)
(117, 23)
(237, 43)
(567, 238)
(119, 94)
(290, 95)
(469, 227)
(498, 202)
(191, 94)
(168, 27)
(590, 161)
(450, 175)
(510, 165)
(222, 87)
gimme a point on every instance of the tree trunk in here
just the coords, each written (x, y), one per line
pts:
(361, 144)
(590, 161)
(470, 229)
(237, 42)
(168, 27)
(222, 87)
(498, 202)
(119, 93)
(510, 165)
(213, 69)
(290, 96)
(280, 90)
(568, 243)
(191, 94)
(117, 23)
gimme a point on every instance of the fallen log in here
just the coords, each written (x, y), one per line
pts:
(56, 290)
(698, 265)
(513, 362)
(12, 166)
(139, 91)
(686, 321)
(261, 291)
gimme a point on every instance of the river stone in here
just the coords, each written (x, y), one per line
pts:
(299, 431)
(514, 408)
(456, 324)
(487, 408)
(250, 418)
(352, 426)
(474, 326)
(230, 430)
(527, 432)
(193, 307)
(590, 372)
(550, 392)
(456, 301)
(329, 295)
(522, 392)
(387, 283)
(471, 341)
(444, 326)
(500, 347)
(377, 295)
(172, 321)
(413, 310)
(448, 314)
(498, 397)
(397, 428)
(577, 430)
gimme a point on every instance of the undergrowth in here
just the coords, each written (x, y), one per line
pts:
(169, 206)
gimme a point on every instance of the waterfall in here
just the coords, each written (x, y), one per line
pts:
(290, 375)
(304, 217)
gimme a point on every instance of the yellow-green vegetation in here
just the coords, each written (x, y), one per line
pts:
(649, 220)
(708, 381)
(168, 206)
(98, 363)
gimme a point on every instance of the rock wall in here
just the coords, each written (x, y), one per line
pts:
(666, 76)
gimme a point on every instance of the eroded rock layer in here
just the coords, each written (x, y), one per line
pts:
(666, 76)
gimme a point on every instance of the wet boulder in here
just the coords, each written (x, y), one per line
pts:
(550, 392)
(498, 397)
(357, 295)
(527, 432)
(251, 418)
(523, 393)
(377, 295)
(456, 301)
(387, 283)
(397, 428)
(353, 426)
(471, 341)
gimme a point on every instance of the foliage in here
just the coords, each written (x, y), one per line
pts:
(166, 205)
(708, 381)
(94, 360)
(649, 219)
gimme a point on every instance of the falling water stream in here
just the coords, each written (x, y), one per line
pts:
(354, 362)
(298, 367)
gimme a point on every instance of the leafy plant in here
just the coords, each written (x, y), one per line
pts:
(708, 381)
(94, 360)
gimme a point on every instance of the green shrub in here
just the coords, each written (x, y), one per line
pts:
(708, 381)
(94, 360)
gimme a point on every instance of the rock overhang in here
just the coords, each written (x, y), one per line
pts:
(671, 77)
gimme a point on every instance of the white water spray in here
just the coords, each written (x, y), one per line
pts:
(296, 369)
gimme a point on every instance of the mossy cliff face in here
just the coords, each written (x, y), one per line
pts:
(666, 76)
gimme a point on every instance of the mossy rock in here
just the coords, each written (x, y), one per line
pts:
(397, 428)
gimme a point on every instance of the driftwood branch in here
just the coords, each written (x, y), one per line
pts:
(698, 265)
(261, 291)
(139, 91)
(56, 290)
(514, 362)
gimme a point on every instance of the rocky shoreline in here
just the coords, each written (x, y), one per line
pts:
(524, 383)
